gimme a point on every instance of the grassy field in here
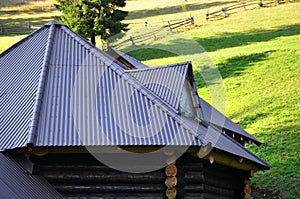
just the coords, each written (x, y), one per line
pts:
(258, 55)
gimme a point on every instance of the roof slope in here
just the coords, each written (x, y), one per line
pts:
(168, 89)
(16, 182)
(18, 92)
(213, 116)
(82, 97)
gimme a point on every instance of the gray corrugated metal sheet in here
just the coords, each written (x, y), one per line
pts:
(81, 86)
(219, 118)
(17, 64)
(16, 182)
(60, 130)
(166, 81)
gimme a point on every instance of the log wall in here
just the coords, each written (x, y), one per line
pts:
(80, 175)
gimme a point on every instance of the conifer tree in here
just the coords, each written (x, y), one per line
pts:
(91, 18)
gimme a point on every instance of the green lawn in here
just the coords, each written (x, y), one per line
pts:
(257, 53)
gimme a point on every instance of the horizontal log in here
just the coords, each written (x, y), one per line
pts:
(117, 195)
(102, 189)
(222, 183)
(193, 196)
(192, 167)
(193, 177)
(198, 188)
(105, 178)
(89, 167)
(219, 191)
(74, 167)
(224, 174)
(214, 196)
(171, 181)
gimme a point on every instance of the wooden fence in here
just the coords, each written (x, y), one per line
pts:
(17, 28)
(155, 34)
(223, 12)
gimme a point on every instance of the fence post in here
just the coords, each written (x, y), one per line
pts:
(244, 5)
(224, 11)
(207, 15)
(2, 28)
(170, 26)
(28, 25)
(192, 21)
(131, 39)
(155, 38)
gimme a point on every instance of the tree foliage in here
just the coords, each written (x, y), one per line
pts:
(90, 18)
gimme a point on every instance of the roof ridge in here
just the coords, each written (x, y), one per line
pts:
(41, 87)
(158, 67)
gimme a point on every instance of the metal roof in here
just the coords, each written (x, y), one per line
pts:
(20, 70)
(216, 118)
(79, 96)
(17, 182)
(168, 89)
(134, 63)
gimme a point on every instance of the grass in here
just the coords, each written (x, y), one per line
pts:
(257, 53)
(15, 15)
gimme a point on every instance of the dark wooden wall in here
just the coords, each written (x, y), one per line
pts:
(80, 175)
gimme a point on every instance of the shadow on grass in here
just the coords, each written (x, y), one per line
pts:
(173, 9)
(229, 40)
(32, 11)
(17, 26)
(210, 44)
(236, 65)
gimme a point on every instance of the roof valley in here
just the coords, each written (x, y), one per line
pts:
(41, 87)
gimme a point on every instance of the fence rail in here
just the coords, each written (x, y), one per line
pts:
(155, 34)
(223, 12)
(17, 28)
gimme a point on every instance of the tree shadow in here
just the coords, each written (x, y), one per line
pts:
(236, 65)
(172, 9)
(229, 40)
(210, 44)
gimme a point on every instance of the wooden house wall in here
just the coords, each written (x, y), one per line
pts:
(80, 175)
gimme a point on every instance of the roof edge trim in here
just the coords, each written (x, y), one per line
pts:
(41, 87)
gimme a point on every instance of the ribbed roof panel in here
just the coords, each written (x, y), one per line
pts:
(20, 69)
(166, 82)
(16, 182)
